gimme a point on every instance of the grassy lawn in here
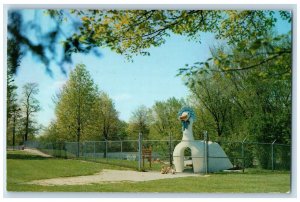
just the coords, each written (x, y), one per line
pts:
(22, 168)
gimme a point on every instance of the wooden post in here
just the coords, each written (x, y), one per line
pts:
(147, 154)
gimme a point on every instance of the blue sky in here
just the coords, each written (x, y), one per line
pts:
(130, 84)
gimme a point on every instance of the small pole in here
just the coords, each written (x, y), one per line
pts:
(206, 151)
(84, 149)
(243, 154)
(121, 146)
(106, 149)
(94, 151)
(65, 149)
(121, 154)
(140, 151)
(170, 148)
(272, 153)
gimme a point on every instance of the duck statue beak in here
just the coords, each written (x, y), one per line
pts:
(184, 116)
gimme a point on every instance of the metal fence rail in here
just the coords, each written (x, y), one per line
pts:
(127, 153)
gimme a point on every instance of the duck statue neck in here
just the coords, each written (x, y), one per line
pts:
(187, 116)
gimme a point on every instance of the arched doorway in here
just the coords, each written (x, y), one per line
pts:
(187, 160)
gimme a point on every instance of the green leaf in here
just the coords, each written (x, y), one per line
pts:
(206, 64)
(217, 62)
(256, 45)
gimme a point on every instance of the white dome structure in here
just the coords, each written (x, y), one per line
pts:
(217, 159)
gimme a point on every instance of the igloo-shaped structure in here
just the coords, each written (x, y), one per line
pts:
(217, 159)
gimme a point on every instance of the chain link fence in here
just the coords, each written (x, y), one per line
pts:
(128, 153)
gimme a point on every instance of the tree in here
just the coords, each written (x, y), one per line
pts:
(131, 32)
(250, 72)
(12, 106)
(13, 61)
(122, 132)
(51, 134)
(109, 116)
(30, 106)
(16, 115)
(75, 104)
(165, 119)
(214, 96)
(247, 92)
(14, 51)
(106, 119)
(139, 122)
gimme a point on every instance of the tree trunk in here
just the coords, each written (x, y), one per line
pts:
(105, 146)
(78, 140)
(14, 130)
(26, 126)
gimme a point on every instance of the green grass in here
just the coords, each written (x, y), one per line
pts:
(22, 168)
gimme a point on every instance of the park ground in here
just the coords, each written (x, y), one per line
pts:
(28, 172)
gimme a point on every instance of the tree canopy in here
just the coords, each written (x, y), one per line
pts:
(132, 32)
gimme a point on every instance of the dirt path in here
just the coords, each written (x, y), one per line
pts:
(36, 152)
(111, 176)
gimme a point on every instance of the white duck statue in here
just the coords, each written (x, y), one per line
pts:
(217, 159)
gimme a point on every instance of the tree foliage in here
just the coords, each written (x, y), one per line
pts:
(259, 96)
(83, 112)
(108, 119)
(75, 104)
(244, 88)
(132, 32)
(139, 122)
(28, 35)
(165, 119)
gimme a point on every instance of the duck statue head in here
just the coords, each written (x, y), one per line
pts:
(187, 117)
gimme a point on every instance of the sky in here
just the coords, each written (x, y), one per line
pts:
(130, 84)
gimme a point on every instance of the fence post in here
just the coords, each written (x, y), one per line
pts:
(94, 151)
(106, 154)
(140, 151)
(170, 148)
(121, 147)
(272, 154)
(206, 151)
(243, 154)
(65, 149)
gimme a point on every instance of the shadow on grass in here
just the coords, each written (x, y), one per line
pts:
(26, 157)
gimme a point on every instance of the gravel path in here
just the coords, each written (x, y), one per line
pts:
(111, 176)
